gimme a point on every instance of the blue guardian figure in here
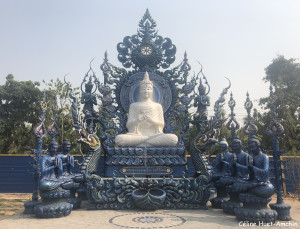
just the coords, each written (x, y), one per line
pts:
(256, 192)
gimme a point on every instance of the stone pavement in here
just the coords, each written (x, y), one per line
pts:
(117, 219)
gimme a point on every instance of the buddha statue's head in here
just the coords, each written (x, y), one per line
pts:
(236, 145)
(66, 146)
(146, 88)
(223, 145)
(253, 144)
(53, 147)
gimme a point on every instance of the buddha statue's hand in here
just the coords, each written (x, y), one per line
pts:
(225, 162)
(234, 166)
(151, 120)
(140, 119)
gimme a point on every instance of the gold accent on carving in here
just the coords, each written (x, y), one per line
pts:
(44, 105)
(131, 170)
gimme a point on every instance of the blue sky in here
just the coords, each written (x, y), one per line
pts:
(232, 38)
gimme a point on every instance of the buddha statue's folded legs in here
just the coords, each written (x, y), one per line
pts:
(160, 140)
(261, 189)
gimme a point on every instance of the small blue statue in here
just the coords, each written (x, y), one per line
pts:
(51, 166)
(67, 164)
(239, 160)
(89, 100)
(202, 101)
(258, 168)
(223, 160)
(54, 189)
(222, 165)
(67, 158)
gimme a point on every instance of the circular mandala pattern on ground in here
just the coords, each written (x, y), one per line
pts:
(147, 220)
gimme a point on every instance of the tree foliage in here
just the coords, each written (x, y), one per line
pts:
(284, 75)
(19, 109)
(20, 112)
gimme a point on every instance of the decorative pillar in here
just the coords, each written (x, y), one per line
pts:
(39, 133)
(275, 129)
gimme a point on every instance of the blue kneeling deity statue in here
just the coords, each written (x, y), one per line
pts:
(51, 167)
(67, 159)
(222, 166)
(255, 193)
(238, 164)
(258, 169)
(239, 161)
(57, 183)
(223, 160)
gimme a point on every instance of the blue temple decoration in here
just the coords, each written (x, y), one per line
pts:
(207, 129)
(239, 159)
(224, 169)
(154, 177)
(86, 126)
(275, 130)
(250, 128)
(148, 193)
(39, 133)
(88, 98)
(55, 183)
(232, 123)
(146, 51)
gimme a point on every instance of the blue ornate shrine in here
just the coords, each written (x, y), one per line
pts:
(153, 177)
(147, 177)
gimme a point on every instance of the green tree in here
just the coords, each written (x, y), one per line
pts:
(284, 75)
(19, 109)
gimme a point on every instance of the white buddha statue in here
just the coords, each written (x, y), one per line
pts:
(146, 121)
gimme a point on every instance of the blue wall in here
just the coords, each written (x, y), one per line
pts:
(15, 173)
